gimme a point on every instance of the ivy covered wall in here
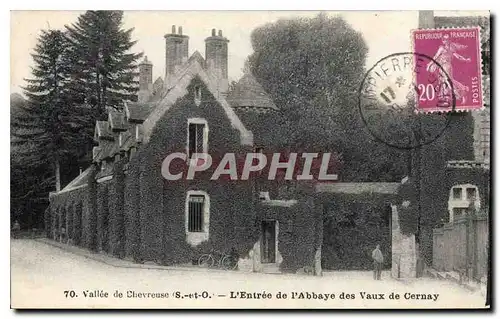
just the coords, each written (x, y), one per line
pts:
(353, 225)
(162, 203)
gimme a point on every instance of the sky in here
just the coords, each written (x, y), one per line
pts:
(384, 32)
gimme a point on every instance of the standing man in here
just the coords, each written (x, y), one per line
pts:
(378, 260)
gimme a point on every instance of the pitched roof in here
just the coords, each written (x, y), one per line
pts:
(127, 139)
(79, 181)
(106, 170)
(102, 131)
(117, 121)
(249, 93)
(179, 89)
(138, 112)
(157, 85)
(198, 57)
(106, 149)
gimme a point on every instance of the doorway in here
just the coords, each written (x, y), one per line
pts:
(268, 243)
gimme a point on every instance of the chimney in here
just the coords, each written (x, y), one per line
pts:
(176, 52)
(425, 19)
(216, 58)
(145, 80)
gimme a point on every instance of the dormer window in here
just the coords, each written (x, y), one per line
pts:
(197, 139)
(197, 95)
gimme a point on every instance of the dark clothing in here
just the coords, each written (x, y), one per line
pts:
(377, 270)
(378, 260)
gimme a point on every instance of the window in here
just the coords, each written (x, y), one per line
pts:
(197, 95)
(197, 137)
(457, 193)
(471, 193)
(460, 200)
(195, 208)
(459, 212)
(197, 222)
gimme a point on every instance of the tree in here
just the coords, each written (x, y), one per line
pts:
(103, 69)
(312, 68)
(28, 185)
(40, 135)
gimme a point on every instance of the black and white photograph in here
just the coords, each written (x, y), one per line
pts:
(250, 159)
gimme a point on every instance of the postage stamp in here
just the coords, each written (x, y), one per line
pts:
(456, 65)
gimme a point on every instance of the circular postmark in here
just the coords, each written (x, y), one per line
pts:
(389, 97)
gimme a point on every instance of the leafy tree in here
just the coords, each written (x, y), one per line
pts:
(103, 69)
(312, 68)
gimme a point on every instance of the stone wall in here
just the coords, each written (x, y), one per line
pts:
(404, 257)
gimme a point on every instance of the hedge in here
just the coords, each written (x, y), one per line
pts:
(132, 212)
(103, 216)
(353, 225)
(117, 198)
(90, 212)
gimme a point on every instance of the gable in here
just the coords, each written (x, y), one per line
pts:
(179, 90)
(102, 131)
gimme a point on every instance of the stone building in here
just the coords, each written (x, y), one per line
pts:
(122, 205)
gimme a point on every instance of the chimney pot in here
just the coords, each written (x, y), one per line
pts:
(220, 33)
(213, 32)
(180, 30)
(173, 29)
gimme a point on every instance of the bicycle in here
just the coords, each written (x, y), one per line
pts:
(224, 260)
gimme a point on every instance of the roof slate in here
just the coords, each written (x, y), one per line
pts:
(249, 93)
(138, 112)
(117, 121)
(103, 131)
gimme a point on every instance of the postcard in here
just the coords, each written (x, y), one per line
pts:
(250, 160)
